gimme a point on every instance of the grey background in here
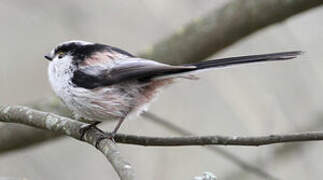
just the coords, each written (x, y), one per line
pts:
(256, 99)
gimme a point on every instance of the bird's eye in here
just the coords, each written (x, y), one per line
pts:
(60, 54)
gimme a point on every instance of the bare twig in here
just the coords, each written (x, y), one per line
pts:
(69, 127)
(245, 166)
(281, 152)
(17, 136)
(219, 140)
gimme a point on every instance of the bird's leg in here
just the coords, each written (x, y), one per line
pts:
(87, 127)
(110, 135)
(115, 130)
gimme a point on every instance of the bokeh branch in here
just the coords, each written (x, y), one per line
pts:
(69, 127)
(17, 136)
(223, 27)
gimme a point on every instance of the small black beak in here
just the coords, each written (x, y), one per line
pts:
(48, 58)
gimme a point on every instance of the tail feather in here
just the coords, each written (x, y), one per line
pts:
(245, 59)
(224, 62)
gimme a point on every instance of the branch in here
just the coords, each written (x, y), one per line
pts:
(223, 27)
(244, 165)
(219, 140)
(17, 136)
(62, 125)
(69, 127)
(66, 126)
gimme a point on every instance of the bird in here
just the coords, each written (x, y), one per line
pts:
(99, 82)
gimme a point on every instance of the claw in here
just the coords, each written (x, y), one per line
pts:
(105, 136)
(87, 127)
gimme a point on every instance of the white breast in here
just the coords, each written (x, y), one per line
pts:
(60, 72)
(99, 104)
(89, 104)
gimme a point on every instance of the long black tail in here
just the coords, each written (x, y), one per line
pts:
(245, 59)
(173, 71)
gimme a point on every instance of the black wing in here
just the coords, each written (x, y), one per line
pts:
(136, 68)
(128, 69)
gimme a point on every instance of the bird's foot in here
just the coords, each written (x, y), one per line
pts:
(106, 135)
(109, 135)
(84, 129)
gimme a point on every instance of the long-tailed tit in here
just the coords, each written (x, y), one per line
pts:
(98, 82)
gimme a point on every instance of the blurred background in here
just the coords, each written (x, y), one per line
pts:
(246, 100)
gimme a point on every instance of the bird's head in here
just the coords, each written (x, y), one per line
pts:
(66, 48)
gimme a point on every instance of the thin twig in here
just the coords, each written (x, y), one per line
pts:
(69, 127)
(219, 140)
(246, 166)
